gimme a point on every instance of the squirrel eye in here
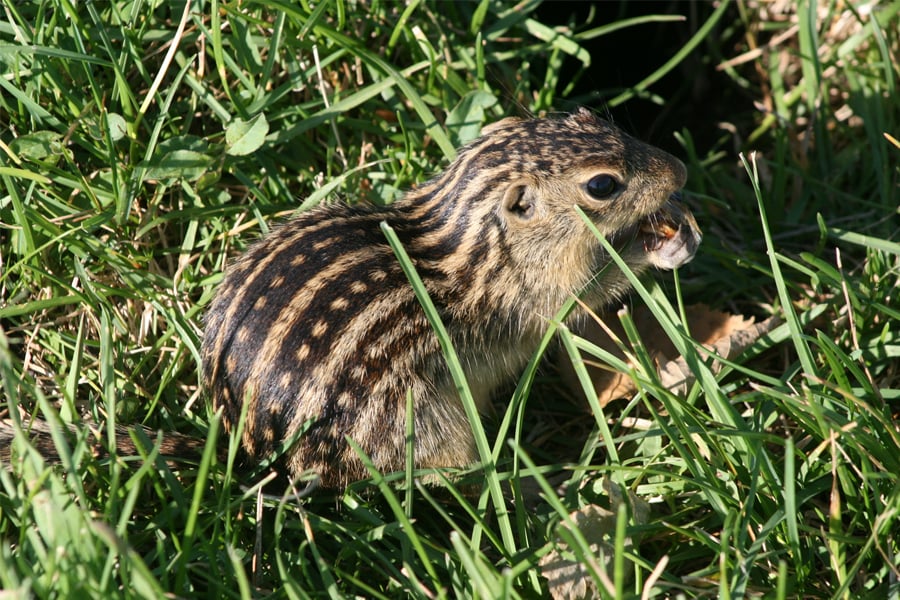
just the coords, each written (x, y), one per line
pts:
(602, 186)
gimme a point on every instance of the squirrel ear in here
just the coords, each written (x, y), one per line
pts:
(519, 201)
(585, 116)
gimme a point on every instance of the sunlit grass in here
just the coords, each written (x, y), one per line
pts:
(143, 147)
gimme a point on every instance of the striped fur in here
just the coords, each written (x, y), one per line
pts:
(317, 323)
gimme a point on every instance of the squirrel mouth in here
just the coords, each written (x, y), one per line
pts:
(670, 235)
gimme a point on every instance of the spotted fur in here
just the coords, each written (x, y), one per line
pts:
(317, 326)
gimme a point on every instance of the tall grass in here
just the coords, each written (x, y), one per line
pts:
(145, 144)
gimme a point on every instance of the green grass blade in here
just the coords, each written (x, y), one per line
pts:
(484, 451)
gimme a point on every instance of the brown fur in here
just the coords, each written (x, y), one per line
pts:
(172, 445)
(317, 326)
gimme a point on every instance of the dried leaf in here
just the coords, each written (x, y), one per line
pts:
(570, 578)
(676, 375)
(725, 334)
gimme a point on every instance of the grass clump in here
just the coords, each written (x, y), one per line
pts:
(145, 144)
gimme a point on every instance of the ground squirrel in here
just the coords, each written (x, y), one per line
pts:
(317, 326)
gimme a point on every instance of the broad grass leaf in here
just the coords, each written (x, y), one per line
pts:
(245, 137)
